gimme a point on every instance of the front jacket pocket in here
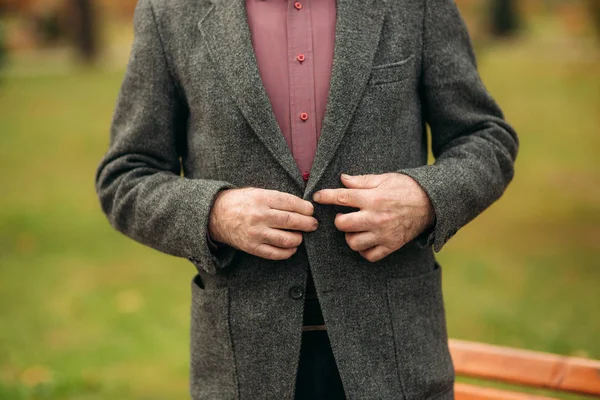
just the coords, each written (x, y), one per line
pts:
(212, 362)
(392, 72)
(417, 313)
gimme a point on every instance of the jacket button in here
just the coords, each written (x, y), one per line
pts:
(296, 292)
(305, 176)
(303, 116)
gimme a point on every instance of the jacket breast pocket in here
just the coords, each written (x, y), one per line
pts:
(424, 363)
(391, 72)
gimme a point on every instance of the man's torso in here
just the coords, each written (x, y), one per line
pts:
(385, 320)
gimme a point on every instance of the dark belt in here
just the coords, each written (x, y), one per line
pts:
(313, 318)
(314, 328)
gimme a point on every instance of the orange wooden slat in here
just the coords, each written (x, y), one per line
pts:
(463, 391)
(555, 372)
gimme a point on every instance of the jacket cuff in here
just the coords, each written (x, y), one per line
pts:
(212, 245)
(444, 226)
(427, 238)
(208, 255)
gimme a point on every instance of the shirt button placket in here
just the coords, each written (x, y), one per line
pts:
(301, 70)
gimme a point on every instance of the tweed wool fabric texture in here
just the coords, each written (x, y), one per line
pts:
(193, 118)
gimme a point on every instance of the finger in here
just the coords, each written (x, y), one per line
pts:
(343, 197)
(362, 181)
(374, 253)
(361, 241)
(280, 238)
(359, 221)
(273, 253)
(291, 220)
(288, 202)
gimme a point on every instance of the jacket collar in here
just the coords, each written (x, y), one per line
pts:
(228, 39)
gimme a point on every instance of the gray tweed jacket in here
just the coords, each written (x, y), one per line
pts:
(193, 118)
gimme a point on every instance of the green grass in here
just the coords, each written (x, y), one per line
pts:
(86, 313)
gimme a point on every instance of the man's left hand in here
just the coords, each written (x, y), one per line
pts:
(393, 210)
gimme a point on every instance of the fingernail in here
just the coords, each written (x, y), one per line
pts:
(316, 196)
(346, 176)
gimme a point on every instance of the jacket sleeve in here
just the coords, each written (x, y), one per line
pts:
(139, 181)
(474, 148)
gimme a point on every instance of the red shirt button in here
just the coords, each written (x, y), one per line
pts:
(305, 176)
(303, 116)
(301, 57)
(297, 5)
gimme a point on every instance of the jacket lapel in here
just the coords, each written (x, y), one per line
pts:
(225, 29)
(358, 27)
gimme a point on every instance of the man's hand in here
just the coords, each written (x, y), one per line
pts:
(257, 221)
(394, 210)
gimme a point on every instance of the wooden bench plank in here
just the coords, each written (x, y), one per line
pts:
(463, 391)
(531, 368)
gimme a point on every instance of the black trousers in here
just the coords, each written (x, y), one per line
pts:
(318, 376)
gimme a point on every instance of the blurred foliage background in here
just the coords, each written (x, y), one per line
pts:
(86, 313)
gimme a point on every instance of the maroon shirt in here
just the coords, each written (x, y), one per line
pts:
(294, 44)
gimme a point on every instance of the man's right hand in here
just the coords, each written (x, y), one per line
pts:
(259, 221)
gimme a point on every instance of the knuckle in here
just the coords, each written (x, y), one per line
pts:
(256, 195)
(286, 241)
(281, 198)
(377, 199)
(264, 236)
(360, 223)
(254, 217)
(297, 239)
(376, 219)
(294, 240)
(289, 199)
(352, 243)
(343, 196)
(271, 254)
(287, 219)
(383, 218)
(304, 223)
(290, 252)
(254, 248)
(254, 234)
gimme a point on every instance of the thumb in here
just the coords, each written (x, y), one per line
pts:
(362, 181)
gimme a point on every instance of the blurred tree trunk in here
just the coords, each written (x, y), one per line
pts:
(2, 45)
(84, 29)
(594, 7)
(504, 18)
